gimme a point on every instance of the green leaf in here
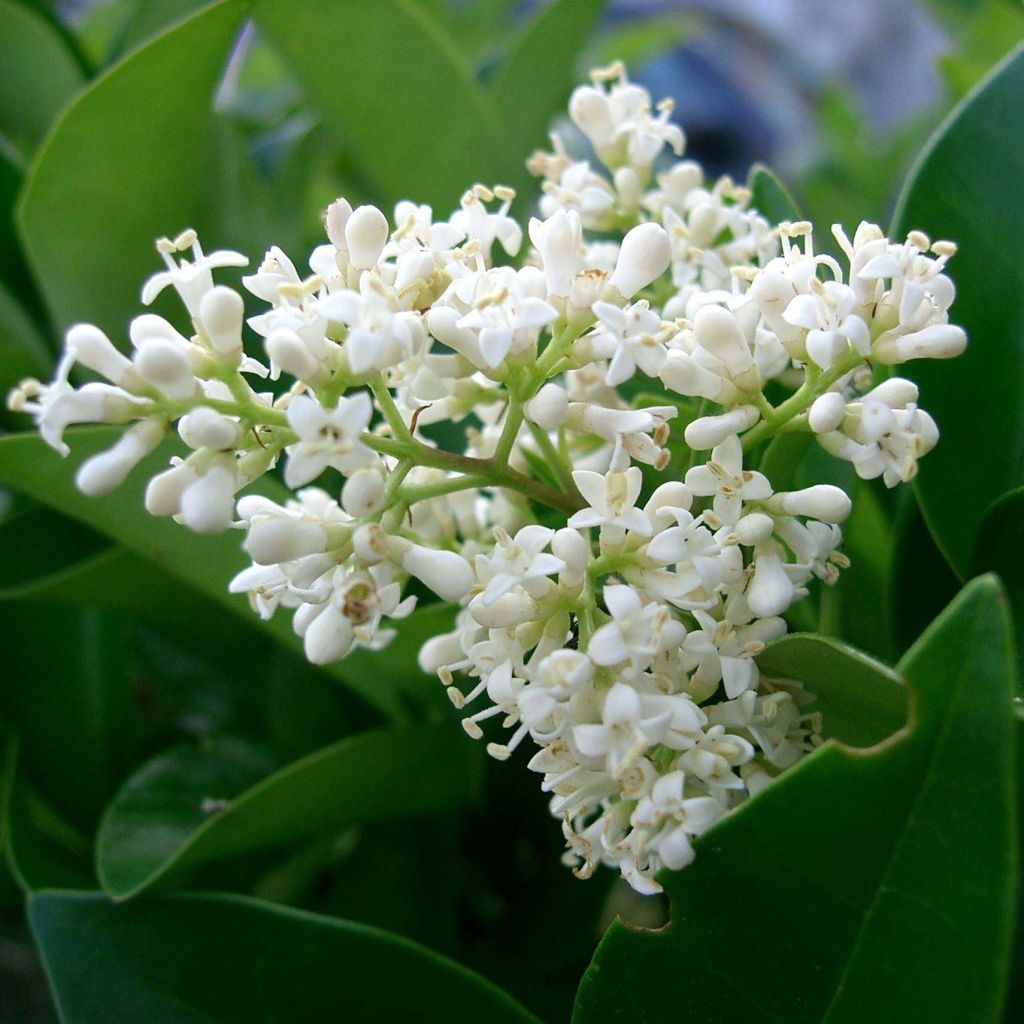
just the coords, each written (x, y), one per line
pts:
(968, 186)
(865, 885)
(861, 700)
(156, 828)
(123, 166)
(67, 685)
(999, 547)
(391, 82)
(770, 197)
(41, 849)
(535, 79)
(206, 563)
(23, 353)
(38, 75)
(228, 959)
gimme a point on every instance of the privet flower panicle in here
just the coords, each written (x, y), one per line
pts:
(618, 561)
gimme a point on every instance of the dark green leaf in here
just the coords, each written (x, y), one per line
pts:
(206, 563)
(38, 75)
(537, 76)
(770, 197)
(123, 166)
(157, 826)
(1000, 549)
(228, 959)
(23, 353)
(40, 848)
(968, 186)
(861, 700)
(67, 686)
(391, 82)
(866, 885)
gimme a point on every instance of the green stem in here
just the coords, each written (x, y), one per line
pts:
(509, 430)
(800, 400)
(387, 406)
(410, 495)
(492, 472)
(563, 474)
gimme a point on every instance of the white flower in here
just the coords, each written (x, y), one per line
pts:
(611, 501)
(725, 478)
(504, 316)
(519, 561)
(631, 337)
(190, 280)
(832, 326)
(327, 437)
(623, 735)
(632, 634)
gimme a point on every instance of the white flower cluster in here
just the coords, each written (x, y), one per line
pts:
(611, 613)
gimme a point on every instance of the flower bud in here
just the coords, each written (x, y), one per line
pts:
(773, 293)
(164, 491)
(827, 412)
(716, 330)
(283, 539)
(220, 313)
(571, 547)
(207, 506)
(770, 591)
(103, 472)
(335, 219)
(896, 392)
(549, 407)
(753, 528)
(366, 232)
(93, 349)
(559, 240)
(206, 428)
(363, 493)
(510, 609)
(644, 255)
(439, 651)
(709, 431)
(940, 341)
(684, 375)
(446, 573)
(822, 501)
(591, 113)
(165, 366)
(288, 352)
(147, 326)
(370, 544)
(328, 637)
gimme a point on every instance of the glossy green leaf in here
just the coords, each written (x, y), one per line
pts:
(41, 849)
(392, 84)
(123, 166)
(968, 186)
(868, 884)
(770, 197)
(161, 823)
(38, 74)
(861, 700)
(228, 959)
(23, 353)
(999, 550)
(72, 702)
(536, 77)
(206, 563)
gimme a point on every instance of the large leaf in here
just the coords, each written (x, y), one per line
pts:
(538, 74)
(861, 700)
(391, 82)
(161, 824)
(868, 884)
(227, 959)
(38, 74)
(770, 197)
(123, 166)
(968, 185)
(205, 563)
(999, 547)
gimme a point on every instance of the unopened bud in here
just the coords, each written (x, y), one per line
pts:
(103, 472)
(644, 256)
(366, 232)
(220, 313)
(549, 407)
